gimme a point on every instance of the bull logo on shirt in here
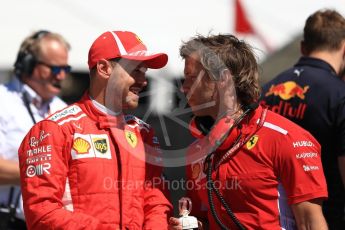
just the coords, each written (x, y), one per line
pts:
(287, 90)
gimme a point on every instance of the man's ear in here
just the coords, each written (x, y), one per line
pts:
(224, 77)
(104, 68)
(302, 48)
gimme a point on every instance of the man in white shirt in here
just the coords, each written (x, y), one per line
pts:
(41, 66)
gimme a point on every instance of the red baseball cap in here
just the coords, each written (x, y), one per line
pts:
(124, 44)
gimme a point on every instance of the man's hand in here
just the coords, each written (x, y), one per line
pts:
(175, 224)
(9, 172)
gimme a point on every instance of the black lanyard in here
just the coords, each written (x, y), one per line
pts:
(27, 105)
(208, 167)
(240, 143)
(13, 207)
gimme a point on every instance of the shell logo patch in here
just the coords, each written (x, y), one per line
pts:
(252, 142)
(81, 146)
(131, 138)
(100, 145)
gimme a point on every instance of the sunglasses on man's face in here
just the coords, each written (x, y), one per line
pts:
(56, 69)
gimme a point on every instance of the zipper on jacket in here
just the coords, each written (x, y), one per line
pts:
(119, 176)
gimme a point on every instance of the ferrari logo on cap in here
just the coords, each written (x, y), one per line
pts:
(139, 39)
(131, 138)
(252, 142)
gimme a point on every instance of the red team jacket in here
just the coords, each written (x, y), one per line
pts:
(84, 169)
(279, 166)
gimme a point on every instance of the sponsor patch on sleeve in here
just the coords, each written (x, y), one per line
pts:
(38, 156)
(39, 169)
(302, 143)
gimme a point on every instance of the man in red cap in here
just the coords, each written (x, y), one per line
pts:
(90, 166)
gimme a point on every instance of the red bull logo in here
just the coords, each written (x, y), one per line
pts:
(287, 90)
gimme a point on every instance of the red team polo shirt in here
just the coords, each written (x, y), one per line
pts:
(279, 166)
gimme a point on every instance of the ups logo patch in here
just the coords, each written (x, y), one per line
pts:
(100, 145)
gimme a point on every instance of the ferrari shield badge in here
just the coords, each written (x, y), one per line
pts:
(131, 138)
(252, 142)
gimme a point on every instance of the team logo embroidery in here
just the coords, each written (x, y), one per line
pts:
(81, 146)
(287, 90)
(252, 142)
(100, 144)
(131, 138)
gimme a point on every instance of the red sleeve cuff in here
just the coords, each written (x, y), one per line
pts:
(323, 194)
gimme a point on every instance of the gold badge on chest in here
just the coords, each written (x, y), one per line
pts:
(252, 142)
(131, 138)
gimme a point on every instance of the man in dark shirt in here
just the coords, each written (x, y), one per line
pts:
(312, 94)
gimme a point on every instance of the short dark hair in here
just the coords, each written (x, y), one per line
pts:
(324, 30)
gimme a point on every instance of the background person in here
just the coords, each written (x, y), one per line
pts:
(251, 157)
(312, 94)
(89, 165)
(41, 66)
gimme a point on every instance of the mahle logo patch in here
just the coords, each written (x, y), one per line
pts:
(131, 138)
(100, 145)
(252, 142)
